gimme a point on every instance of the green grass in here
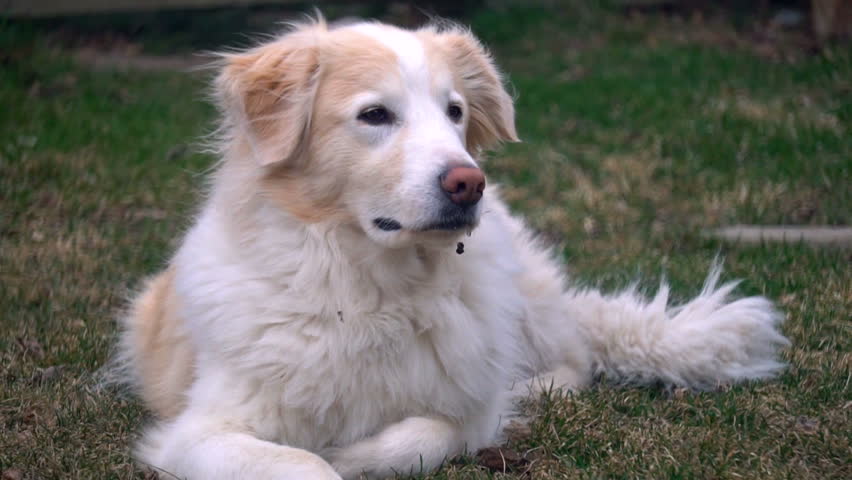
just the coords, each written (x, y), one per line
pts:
(639, 132)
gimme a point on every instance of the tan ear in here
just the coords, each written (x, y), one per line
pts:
(268, 92)
(492, 112)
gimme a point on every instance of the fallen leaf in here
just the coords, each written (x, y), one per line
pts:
(499, 459)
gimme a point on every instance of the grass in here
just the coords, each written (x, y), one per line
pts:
(639, 131)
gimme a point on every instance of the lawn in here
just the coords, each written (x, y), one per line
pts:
(639, 132)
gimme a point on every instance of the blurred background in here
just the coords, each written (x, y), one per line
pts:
(645, 124)
(209, 23)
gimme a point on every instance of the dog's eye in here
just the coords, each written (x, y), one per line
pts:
(376, 116)
(454, 112)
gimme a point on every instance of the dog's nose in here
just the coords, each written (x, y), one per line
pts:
(464, 185)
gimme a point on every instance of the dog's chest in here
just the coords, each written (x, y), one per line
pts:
(430, 356)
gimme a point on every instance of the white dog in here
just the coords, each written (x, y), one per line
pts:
(321, 319)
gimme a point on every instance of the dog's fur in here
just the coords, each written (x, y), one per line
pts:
(292, 338)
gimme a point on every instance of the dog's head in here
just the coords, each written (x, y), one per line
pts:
(370, 125)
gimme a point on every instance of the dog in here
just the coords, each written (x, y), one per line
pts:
(354, 299)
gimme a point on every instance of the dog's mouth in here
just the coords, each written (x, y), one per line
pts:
(448, 223)
(387, 224)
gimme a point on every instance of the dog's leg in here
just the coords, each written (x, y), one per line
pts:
(195, 447)
(413, 445)
(556, 355)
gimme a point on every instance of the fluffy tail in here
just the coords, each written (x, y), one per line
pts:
(709, 341)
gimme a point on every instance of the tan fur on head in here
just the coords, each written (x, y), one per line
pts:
(268, 92)
(313, 190)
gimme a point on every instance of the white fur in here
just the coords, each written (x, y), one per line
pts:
(321, 353)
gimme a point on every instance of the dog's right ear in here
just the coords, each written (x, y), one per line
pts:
(267, 92)
(492, 112)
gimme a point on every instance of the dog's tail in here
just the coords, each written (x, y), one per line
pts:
(709, 341)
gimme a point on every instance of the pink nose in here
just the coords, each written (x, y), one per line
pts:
(464, 185)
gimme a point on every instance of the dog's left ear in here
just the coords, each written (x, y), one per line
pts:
(492, 112)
